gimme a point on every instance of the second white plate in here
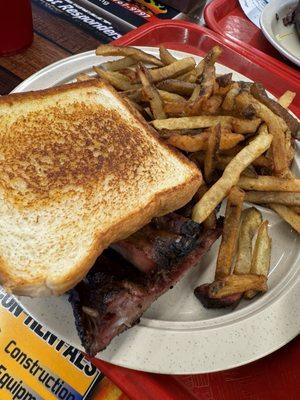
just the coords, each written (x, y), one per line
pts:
(284, 38)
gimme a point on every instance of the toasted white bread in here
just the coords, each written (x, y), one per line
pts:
(80, 169)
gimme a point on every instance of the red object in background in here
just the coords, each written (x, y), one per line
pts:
(16, 32)
(228, 19)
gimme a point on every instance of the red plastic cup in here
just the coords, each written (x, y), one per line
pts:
(16, 31)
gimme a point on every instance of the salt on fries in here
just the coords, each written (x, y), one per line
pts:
(242, 140)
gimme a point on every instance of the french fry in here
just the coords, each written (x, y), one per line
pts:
(172, 70)
(262, 161)
(177, 86)
(202, 294)
(168, 96)
(286, 99)
(116, 79)
(290, 216)
(211, 220)
(234, 284)
(195, 94)
(209, 60)
(277, 128)
(230, 232)
(230, 177)
(205, 91)
(238, 125)
(286, 198)
(251, 220)
(269, 184)
(250, 172)
(258, 91)
(137, 54)
(151, 93)
(245, 126)
(261, 259)
(199, 141)
(224, 80)
(116, 65)
(83, 77)
(175, 108)
(165, 56)
(229, 101)
(211, 106)
(213, 144)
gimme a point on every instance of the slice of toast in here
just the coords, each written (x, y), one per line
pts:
(80, 169)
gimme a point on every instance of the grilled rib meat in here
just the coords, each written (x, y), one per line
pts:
(115, 294)
(159, 243)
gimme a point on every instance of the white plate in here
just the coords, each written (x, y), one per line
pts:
(177, 335)
(284, 38)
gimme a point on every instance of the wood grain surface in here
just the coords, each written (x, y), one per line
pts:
(54, 39)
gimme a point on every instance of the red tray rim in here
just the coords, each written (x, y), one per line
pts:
(212, 23)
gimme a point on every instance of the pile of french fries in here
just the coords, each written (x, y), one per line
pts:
(242, 141)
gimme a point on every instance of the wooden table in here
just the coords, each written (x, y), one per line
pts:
(54, 39)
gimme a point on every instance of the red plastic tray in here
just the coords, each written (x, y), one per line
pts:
(228, 19)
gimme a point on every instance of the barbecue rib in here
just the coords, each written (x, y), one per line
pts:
(115, 294)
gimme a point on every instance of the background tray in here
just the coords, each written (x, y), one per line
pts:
(228, 19)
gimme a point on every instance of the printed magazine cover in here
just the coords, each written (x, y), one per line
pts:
(37, 365)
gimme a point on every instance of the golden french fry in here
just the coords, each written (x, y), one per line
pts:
(262, 161)
(261, 259)
(230, 232)
(224, 80)
(211, 106)
(290, 216)
(258, 91)
(241, 126)
(213, 144)
(172, 70)
(83, 77)
(175, 108)
(195, 94)
(151, 93)
(233, 284)
(276, 127)
(168, 96)
(251, 220)
(137, 54)
(286, 198)
(207, 87)
(199, 141)
(116, 65)
(116, 79)
(286, 99)
(269, 184)
(177, 86)
(165, 56)
(229, 101)
(211, 220)
(230, 177)
(250, 172)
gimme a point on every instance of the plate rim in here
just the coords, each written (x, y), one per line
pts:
(22, 87)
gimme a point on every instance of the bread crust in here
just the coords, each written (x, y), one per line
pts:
(161, 203)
